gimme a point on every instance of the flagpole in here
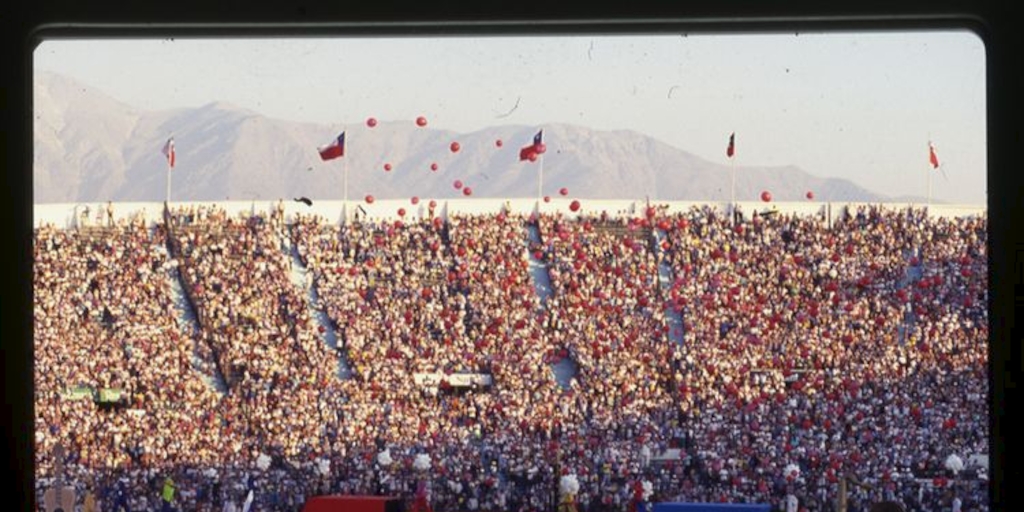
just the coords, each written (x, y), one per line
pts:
(929, 187)
(169, 156)
(168, 195)
(931, 151)
(732, 190)
(540, 175)
(344, 207)
(540, 179)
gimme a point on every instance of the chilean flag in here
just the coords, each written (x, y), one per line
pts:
(168, 152)
(526, 151)
(333, 150)
(932, 157)
(731, 150)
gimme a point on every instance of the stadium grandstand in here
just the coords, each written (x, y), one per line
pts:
(831, 354)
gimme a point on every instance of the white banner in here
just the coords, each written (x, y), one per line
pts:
(455, 379)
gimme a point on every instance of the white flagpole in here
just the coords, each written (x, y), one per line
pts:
(540, 179)
(930, 150)
(169, 146)
(345, 178)
(168, 196)
(732, 190)
(930, 187)
(540, 175)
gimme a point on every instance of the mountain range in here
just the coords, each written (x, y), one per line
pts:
(91, 147)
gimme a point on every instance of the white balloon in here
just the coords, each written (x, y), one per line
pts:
(569, 484)
(954, 463)
(384, 458)
(324, 466)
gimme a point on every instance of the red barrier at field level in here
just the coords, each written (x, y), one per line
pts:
(353, 504)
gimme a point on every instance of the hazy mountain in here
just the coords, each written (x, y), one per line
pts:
(89, 147)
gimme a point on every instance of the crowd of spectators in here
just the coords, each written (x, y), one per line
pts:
(853, 349)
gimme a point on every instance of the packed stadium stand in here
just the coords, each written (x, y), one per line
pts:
(815, 344)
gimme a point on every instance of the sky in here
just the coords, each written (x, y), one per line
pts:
(861, 106)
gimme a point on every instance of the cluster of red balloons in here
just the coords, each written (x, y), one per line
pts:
(455, 147)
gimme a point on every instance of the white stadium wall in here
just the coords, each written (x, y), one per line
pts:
(64, 215)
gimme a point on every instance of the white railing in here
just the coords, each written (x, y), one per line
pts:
(68, 215)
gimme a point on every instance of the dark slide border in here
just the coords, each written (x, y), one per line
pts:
(995, 21)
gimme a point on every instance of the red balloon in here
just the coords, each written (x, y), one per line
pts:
(766, 196)
(371, 122)
(415, 200)
(433, 203)
(498, 143)
(810, 195)
(457, 184)
(455, 147)
(421, 121)
(574, 206)
(401, 212)
(433, 166)
(547, 199)
(387, 167)
(564, 191)
(533, 157)
(467, 191)
(369, 199)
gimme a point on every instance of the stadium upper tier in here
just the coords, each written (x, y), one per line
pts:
(70, 214)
